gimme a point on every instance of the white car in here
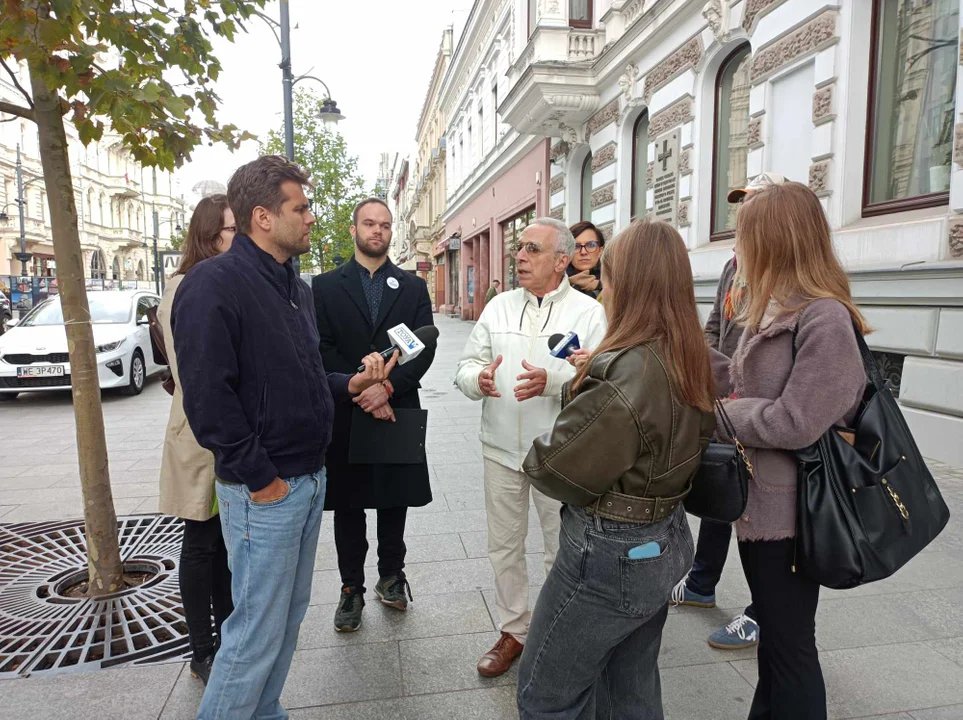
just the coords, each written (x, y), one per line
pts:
(33, 352)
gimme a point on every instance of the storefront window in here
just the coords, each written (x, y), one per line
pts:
(511, 233)
(640, 164)
(913, 85)
(731, 151)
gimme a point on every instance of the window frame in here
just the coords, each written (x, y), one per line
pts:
(583, 24)
(726, 63)
(886, 207)
(636, 213)
(581, 189)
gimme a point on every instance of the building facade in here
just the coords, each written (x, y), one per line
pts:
(115, 197)
(497, 175)
(659, 107)
(424, 219)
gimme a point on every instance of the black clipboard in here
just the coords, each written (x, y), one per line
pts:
(382, 442)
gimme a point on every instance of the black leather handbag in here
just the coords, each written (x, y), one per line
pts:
(867, 503)
(720, 488)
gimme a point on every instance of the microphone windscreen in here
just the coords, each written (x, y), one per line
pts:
(428, 335)
(555, 340)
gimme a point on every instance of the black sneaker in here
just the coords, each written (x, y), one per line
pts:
(347, 618)
(391, 590)
(201, 669)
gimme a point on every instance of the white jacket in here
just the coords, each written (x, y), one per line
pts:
(514, 326)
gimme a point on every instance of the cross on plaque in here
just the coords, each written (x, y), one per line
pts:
(665, 155)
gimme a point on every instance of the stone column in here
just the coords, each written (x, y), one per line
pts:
(475, 307)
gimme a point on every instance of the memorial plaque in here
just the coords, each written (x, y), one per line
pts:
(665, 182)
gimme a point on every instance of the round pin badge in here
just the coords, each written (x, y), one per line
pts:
(393, 283)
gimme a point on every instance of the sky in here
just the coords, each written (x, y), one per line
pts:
(376, 56)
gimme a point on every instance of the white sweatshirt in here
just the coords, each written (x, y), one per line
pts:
(516, 327)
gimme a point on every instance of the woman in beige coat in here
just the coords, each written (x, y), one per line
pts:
(187, 469)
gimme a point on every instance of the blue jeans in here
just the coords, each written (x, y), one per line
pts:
(593, 645)
(270, 549)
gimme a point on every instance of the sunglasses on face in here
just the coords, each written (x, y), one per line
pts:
(588, 247)
(529, 247)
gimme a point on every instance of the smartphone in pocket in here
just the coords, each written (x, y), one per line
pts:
(649, 550)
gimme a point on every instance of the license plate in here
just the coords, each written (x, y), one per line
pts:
(41, 371)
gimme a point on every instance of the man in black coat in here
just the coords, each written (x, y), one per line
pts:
(357, 304)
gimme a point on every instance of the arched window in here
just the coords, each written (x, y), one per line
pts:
(116, 268)
(912, 94)
(98, 268)
(140, 270)
(731, 150)
(585, 192)
(640, 164)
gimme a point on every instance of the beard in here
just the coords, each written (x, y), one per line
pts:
(294, 242)
(367, 248)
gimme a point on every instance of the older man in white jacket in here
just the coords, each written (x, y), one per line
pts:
(507, 365)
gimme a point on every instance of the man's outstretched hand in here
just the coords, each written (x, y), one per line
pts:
(376, 371)
(486, 380)
(535, 379)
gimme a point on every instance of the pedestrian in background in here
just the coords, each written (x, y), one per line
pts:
(356, 304)
(585, 270)
(187, 469)
(796, 372)
(256, 394)
(621, 457)
(723, 332)
(509, 347)
(492, 291)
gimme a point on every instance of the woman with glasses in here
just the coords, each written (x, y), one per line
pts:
(187, 469)
(585, 270)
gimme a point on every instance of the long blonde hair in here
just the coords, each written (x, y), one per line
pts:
(785, 253)
(649, 296)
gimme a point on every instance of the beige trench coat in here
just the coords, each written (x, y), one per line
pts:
(187, 469)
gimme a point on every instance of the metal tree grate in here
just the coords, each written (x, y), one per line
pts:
(43, 631)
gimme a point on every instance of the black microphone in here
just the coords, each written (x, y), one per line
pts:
(561, 346)
(407, 343)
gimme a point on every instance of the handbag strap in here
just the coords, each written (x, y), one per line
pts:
(730, 429)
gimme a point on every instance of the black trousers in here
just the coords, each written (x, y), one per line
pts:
(710, 558)
(351, 541)
(205, 582)
(791, 683)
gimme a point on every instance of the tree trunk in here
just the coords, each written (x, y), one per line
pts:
(100, 519)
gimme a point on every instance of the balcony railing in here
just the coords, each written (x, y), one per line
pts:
(584, 44)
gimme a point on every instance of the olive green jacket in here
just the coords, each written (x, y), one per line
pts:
(623, 445)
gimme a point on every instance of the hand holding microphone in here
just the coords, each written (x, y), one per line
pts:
(566, 347)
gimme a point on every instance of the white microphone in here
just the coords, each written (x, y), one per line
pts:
(408, 344)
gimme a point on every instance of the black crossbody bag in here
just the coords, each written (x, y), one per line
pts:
(720, 488)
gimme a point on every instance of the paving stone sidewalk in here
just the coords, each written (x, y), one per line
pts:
(893, 649)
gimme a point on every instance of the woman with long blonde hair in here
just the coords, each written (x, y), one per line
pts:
(796, 373)
(621, 457)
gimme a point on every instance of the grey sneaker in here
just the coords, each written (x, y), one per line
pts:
(391, 590)
(741, 633)
(682, 595)
(347, 618)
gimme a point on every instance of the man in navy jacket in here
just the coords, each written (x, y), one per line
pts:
(256, 394)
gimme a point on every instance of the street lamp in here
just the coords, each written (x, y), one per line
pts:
(328, 112)
(23, 256)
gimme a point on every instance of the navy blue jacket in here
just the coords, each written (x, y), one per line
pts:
(255, 391)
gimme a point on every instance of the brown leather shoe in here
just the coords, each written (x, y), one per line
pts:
(497, 660)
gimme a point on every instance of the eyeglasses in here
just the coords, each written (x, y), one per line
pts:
(588, 247)
(232, 228)
(529, 247)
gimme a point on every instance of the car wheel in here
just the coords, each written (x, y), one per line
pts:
(7, 397)
(138, 374)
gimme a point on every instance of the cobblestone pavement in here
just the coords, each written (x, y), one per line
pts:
(893, 649)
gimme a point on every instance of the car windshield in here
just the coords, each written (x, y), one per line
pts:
(105, 309)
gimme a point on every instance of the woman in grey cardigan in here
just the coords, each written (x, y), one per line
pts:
(187, 469)
(796, 288)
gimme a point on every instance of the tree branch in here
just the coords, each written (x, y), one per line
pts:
(11, 109)
(16, 84)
